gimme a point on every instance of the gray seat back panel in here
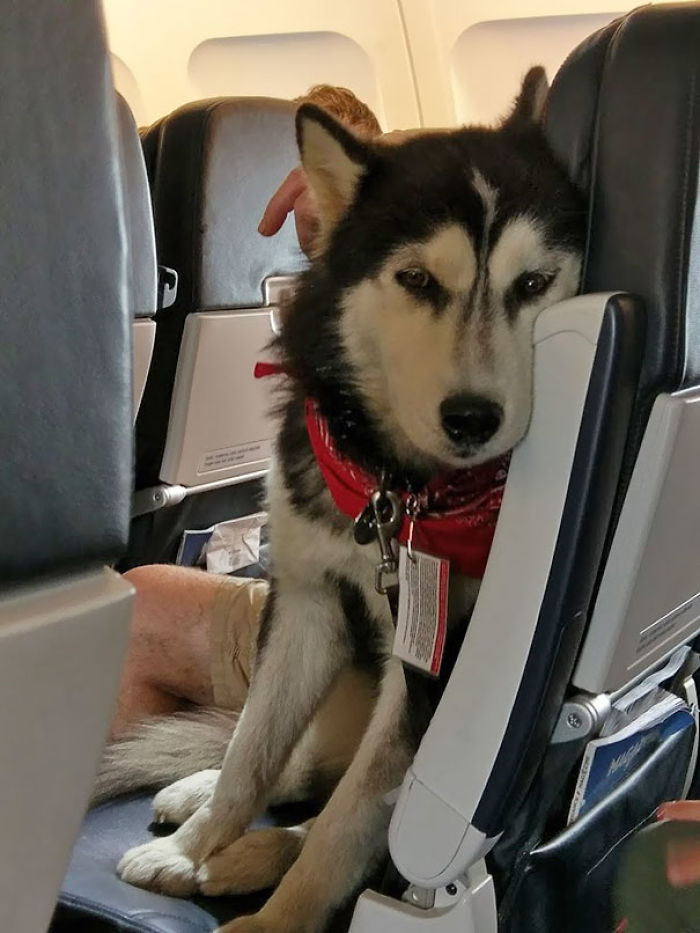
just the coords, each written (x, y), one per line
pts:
(217, 163)
(65, 380)
(142, 263)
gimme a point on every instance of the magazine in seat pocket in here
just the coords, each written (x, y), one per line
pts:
(566, 883)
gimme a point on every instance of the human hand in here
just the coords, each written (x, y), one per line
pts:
(682, 855)
(292, 195)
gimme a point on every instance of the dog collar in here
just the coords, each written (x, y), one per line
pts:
(455, 513)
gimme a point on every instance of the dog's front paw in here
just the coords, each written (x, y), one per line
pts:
(257, 861)
(177, 802)
(159, 866)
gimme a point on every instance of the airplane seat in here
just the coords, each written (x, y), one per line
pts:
(203, 433)
(65, 436)
(596, 542)
(613, 583)
(623, 115)
(142, 264)
(150, 141)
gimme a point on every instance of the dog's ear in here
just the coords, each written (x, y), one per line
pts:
(334, 161)
(531, 102)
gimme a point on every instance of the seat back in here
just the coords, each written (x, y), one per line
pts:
(142, 265)
(65, 435)
(204, 430)
(644, 237)
(218, 163)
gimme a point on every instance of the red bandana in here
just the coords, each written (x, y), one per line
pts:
(457, 511)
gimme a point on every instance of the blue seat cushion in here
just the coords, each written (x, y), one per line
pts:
(93, 899)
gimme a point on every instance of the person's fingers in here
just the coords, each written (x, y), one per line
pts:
(282, 202)
(683, 862)
(306, 220)
(679, 810)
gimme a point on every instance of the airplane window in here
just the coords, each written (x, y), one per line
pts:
(127, 85)
(279, 65)
(515, 44)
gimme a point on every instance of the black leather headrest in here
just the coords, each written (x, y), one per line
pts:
(217, 163)
(624, 116)
(150, 141)
(65, 366)
(142, 264)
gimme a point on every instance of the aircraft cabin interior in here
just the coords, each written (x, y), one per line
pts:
(174, 369)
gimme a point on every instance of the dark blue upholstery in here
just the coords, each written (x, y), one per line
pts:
(94, 899)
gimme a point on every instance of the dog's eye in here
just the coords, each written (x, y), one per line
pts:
(532, 284)
(415, 279)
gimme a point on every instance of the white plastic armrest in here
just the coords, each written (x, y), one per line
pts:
(432, 839)
(62, 645)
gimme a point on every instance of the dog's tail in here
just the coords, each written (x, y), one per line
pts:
(164, 749)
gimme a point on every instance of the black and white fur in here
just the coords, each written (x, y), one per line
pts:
(437, 251)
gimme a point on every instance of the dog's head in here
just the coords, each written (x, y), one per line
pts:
(436, 251)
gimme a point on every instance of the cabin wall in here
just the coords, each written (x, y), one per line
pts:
(468, 58)
(168, 53)
(415, 62)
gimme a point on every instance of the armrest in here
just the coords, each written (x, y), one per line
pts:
(62, 646)
(477, 755)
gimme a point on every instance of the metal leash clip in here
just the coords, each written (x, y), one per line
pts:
(412, 510)
(388, 518)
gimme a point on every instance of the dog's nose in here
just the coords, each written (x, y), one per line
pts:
(470, 419)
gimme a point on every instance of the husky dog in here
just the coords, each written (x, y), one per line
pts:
(412, 334)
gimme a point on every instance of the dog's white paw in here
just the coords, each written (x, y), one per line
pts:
(255, 862)
(160, 866)
(177, 802)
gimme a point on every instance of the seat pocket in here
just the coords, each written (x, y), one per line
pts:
(567, 882)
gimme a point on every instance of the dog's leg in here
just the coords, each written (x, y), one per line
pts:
(303, 645)
(350, 833)
(260, 859)
(179, 800)
(302, 773)
(256, 861)
(316, 764)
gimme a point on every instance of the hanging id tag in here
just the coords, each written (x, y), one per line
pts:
(421, 621)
